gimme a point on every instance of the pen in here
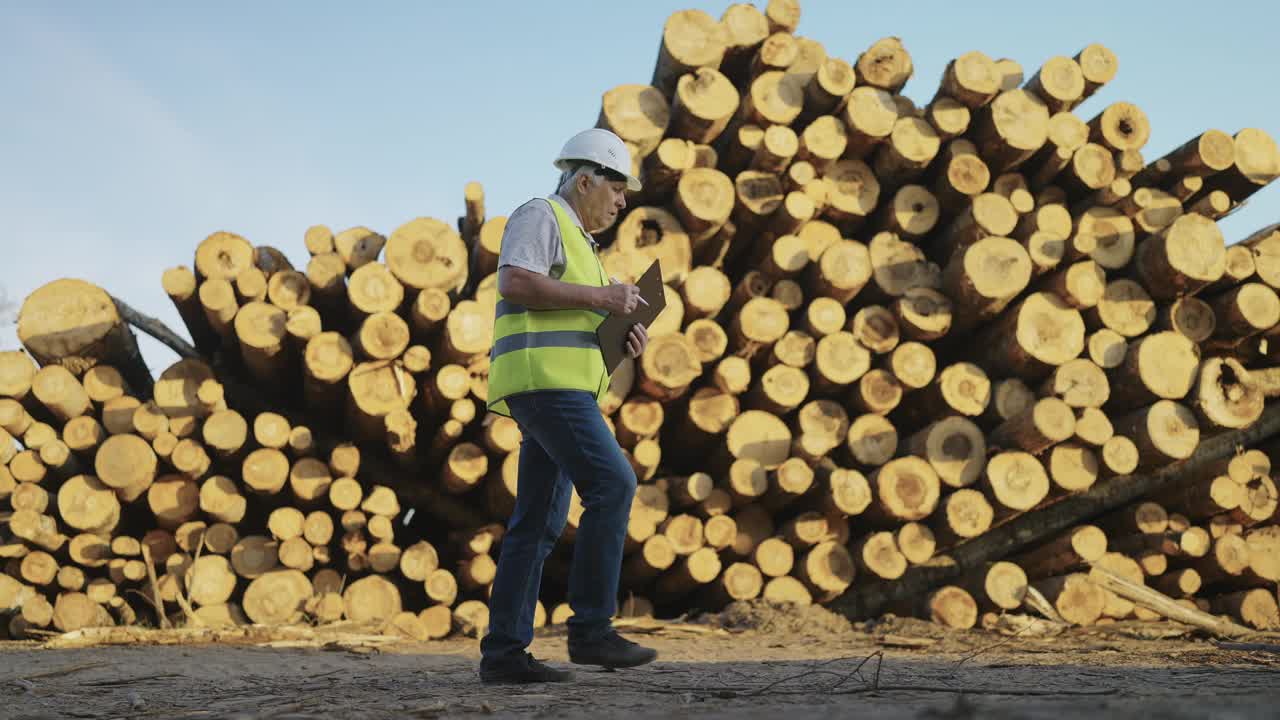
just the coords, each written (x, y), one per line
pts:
(638, 297)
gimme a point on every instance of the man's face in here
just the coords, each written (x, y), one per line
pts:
(602, 201)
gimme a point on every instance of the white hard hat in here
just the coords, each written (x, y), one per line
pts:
(601, 147)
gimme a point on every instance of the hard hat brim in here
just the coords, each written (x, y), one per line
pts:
(564, 164)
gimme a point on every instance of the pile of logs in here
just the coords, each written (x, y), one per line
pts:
(897, 335)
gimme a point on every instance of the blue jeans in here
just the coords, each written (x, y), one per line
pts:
(566, 445)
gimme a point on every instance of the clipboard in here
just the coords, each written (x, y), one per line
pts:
(612, 332)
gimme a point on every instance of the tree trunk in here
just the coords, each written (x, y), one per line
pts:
(960, 177)
(1257, 163)
(984, 277)
(906, 489)
(1188, 316)
(1182, 258)
(827, 570)
(952, 607)
(1030, 338)
(971, 79)
(878, 554)
(906, 153)
(691, 39)
(961, 388)
(955, 447)
(1074, 596)
(1011, 129)
(1072, 467)
(871, 440)
(1158, 366)
(1016, 481)
(1081, 284)
(77, 325)
(966, 514)
(1163, 432)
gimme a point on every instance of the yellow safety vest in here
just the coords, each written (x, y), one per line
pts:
(550, 349)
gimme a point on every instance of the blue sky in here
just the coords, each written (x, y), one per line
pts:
(131, 130)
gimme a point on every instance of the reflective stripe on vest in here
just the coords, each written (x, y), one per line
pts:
(550, 349)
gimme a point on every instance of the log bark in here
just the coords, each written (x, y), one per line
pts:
(906, 153)
(1255, 608)
(1257, 163)
(886, 64)
(961, 177)
(1163, 432)
(971, 79)
(1011, 129)
(691, 39)
(1161, 365)
(1181, 259)
(1059, 83)
(76, 325)
(983, 278)
(869, 114)
(1033, 336)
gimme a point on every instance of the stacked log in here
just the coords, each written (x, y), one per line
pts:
(892, 331)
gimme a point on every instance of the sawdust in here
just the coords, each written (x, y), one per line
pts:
(767, 617)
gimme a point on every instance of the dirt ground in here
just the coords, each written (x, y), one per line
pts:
(747, 664)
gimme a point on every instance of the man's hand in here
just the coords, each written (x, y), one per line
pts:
(637, 340)
(619, 298)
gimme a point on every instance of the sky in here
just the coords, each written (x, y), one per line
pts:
(129, 131)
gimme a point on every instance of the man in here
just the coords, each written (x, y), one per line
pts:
(548, 374)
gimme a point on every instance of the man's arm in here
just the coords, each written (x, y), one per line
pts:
(542, 292)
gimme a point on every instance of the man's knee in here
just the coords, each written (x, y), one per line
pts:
(623, 484)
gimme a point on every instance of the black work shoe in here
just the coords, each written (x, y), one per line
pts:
(519, 669)
(611, 651)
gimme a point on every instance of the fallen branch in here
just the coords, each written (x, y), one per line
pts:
(155, 329)
(1158, 602)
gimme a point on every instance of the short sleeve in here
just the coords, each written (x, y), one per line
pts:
(531, 238)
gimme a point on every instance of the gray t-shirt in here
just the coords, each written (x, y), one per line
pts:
(532, 238)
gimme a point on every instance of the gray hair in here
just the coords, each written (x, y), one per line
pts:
(568, 176)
